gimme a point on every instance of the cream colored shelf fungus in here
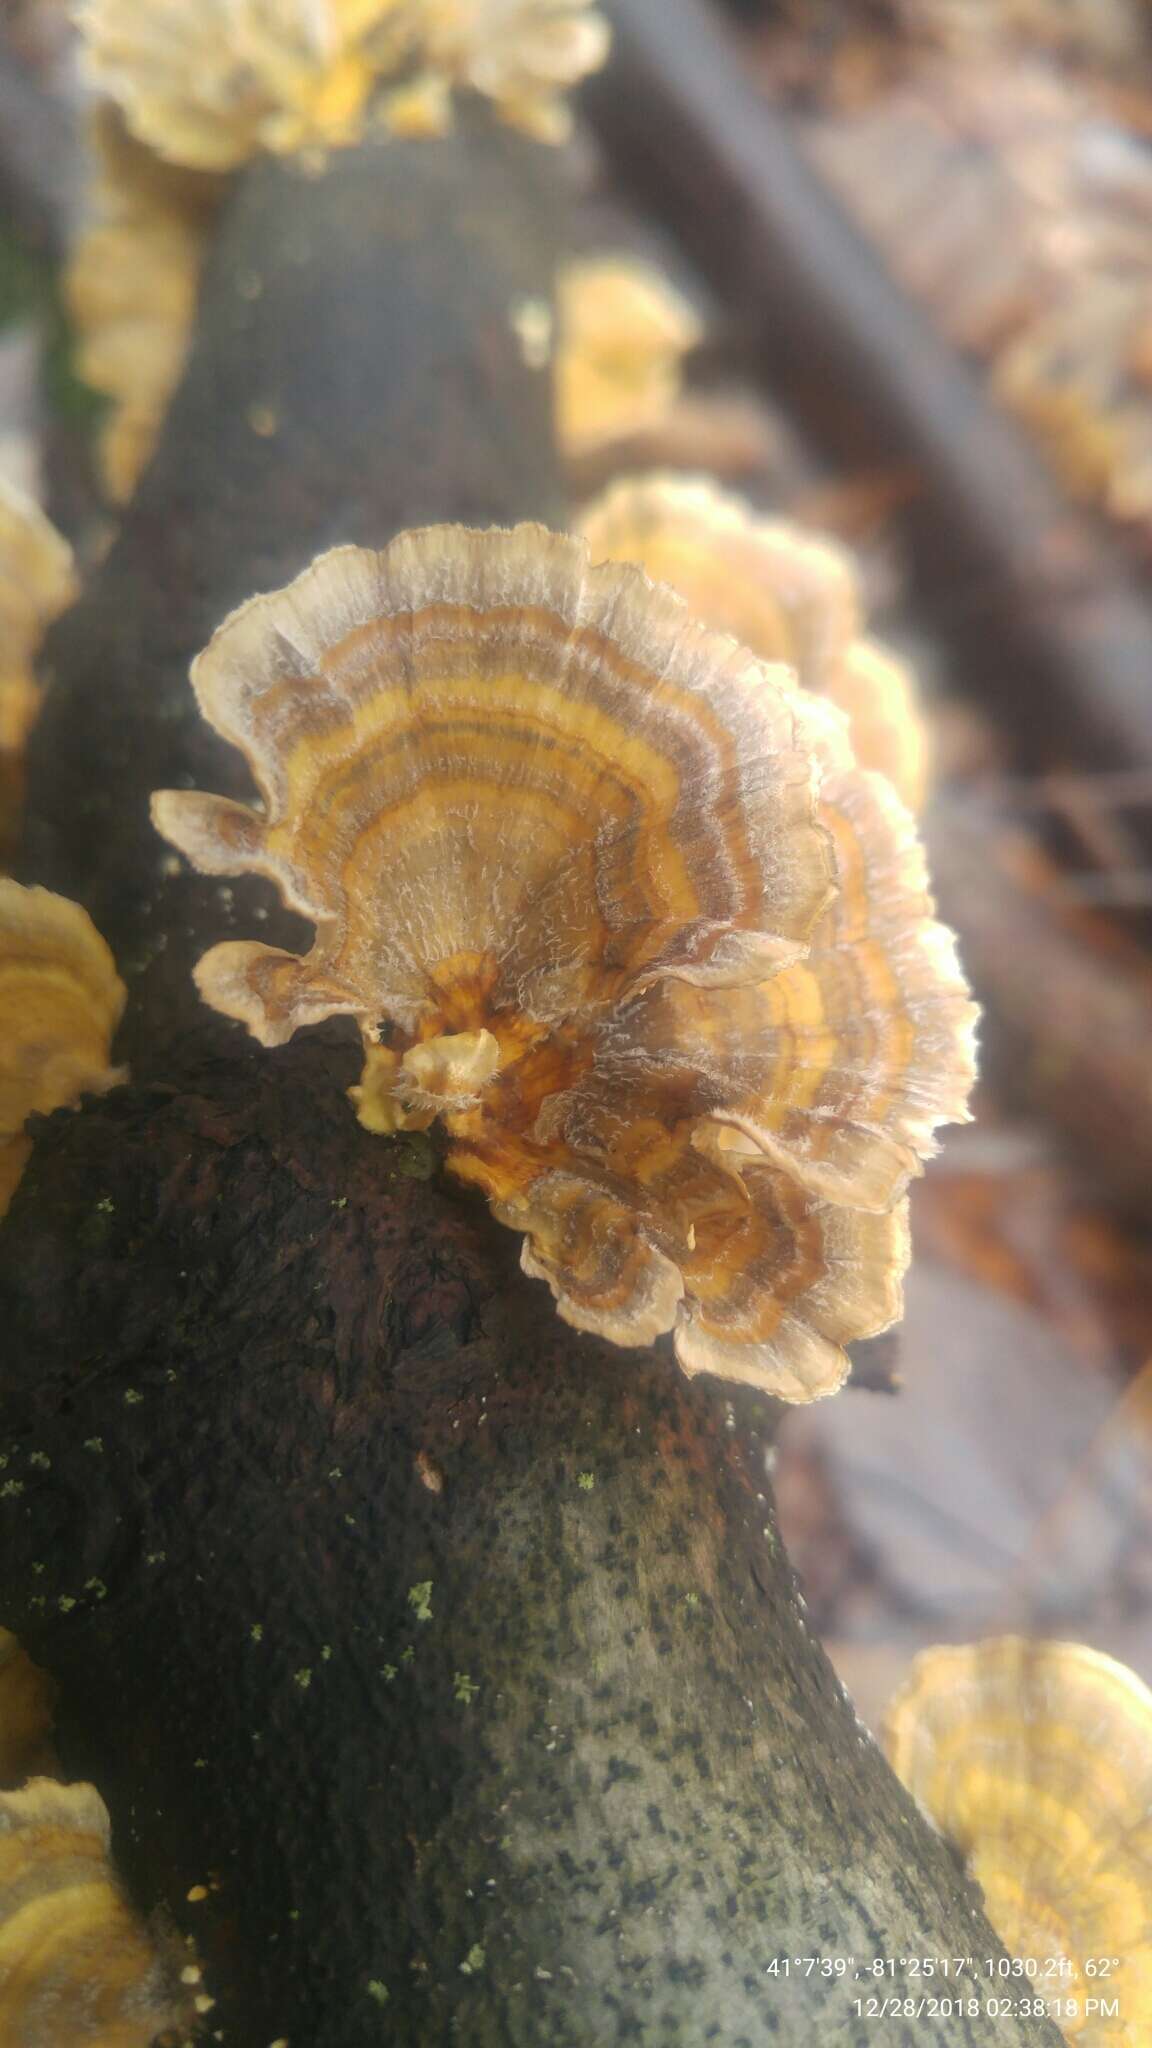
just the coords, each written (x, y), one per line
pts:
(132, 282)
(37, 582)
(1035, 1760)
(76, 1963)
(624, 333)
(609, 897)
(209, 85)
(60, 1002)
(788, 594)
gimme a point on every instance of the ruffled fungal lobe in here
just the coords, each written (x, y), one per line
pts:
(132, 282)
(76, 1965)
(37, 582)
(1035, 1760)
(788, 594)
(522, 55)
(210, 84)
(562, 851)
(624, 334)
(60, 1002)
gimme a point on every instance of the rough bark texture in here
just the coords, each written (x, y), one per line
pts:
(453, 1653)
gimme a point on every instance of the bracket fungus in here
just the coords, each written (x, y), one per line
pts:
(788, 594)
(624, 333)
(211, 84)
(132, 282)
(1035, 1760)
(37, 582)
(60, 1002)
(76, 1964)
(562, 850)
(522, 55)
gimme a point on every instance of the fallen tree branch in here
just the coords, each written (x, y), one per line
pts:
(1053, 631)
(441, 1667)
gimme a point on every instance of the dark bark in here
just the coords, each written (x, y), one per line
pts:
(454, 1653)
(40, 157)
(1035, 600)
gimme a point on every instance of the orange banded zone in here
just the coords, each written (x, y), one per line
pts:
(1034, 1758)
(787, 594)
(60, 1002)
(570, 859)
(76, 1964)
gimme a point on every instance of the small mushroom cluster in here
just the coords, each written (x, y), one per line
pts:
(191, 92)
(209, 85)
(610, 897)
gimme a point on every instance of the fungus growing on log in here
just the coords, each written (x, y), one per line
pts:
(132, 281)
(36, 583)
(1035, 1760)
(520, 54)
(26, 1700)
(76, 1964)
(788, 594)
(210, 85)
(60, 1002)
(624, 334)
(609, 897)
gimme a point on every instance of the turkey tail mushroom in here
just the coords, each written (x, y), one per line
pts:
(608, 895)
(60, 1002)
(788, 594)
(1035, 1760)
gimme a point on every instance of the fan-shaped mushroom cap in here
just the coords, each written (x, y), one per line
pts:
(36, 583)
(787, 594)
(76, 1965)
(1035, 1759)
(132, 282)
(520, 54)
(562, 841)
(210, 84)
(624, 334)
(60, 1002)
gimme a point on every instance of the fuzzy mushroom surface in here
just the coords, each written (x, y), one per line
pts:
(610, 898)
(788, 594)
(1035, 1760)
(60, 1002)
